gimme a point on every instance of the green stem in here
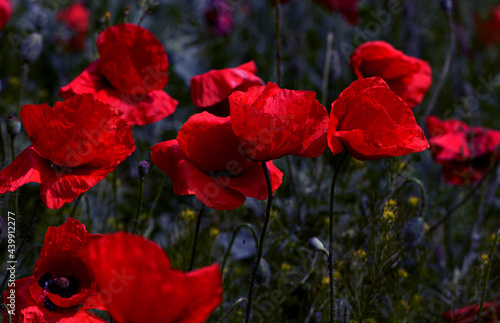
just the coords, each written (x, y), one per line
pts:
(278, 50)
(138, 212)
(261, 241)
(330, 237)
(423, 194)
(196, 233)
(157, 197)
(22, 84)
(487, 278)
(7, 311)
(238, 228)
(240, 300)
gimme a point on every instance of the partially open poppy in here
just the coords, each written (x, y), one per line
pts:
(273, 122)
(408, 76)
(62, 287)
(148, 289)
(466, 153)
(209, 161)
(74, 146)
(210, 91)
(130, 75)
(372, 122)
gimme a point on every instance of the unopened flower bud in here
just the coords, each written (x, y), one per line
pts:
(315, 244)
(143, 169)
(31, 48)
(13, 126)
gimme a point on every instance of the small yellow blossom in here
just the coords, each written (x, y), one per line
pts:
(361, 254)
(188, 215)
(405, 305)
(285, 267)
(326, 280)
(214, 232)
(389, 216)
(417, 298)
(14, 80)
(337, 275)
(402, 273)
(413, 201)
(391, 203)
(484, 258)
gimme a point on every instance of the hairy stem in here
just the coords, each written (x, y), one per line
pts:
(196, 233)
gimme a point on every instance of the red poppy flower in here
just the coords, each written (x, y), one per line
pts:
(488, 30)
(208, 160)
(468, 314)
(348, 8)
(408, 76)
(466, 153)
(211, 90)
(74, 146)
(130, 75)
(273, 122)
(134, 276)
(5, 12)
(76, 16)
(219, 17)
(372, 122)
(62, 287)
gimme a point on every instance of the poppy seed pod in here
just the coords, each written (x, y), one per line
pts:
(315, 244)
(143, 169)
(31, 48)
(13, 126)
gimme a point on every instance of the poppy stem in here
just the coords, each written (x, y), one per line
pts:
(240, 300)
(330, 236)
(278, 50)
(9, 317)
(261, 242)
(137, 214)
(445, 70)
(196, 233)
(487, 278)
(241, 226)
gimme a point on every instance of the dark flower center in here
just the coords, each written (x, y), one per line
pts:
(65, 286)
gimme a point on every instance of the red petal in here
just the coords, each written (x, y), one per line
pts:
(79, 131)
(91, 80)
(252, 182)
(122, 281)
(373, 122)
(28, 167)
(27, 310)
(187, 179)
(140, 110)
(63, 254)
(215, 86)
(273, 122)
(408, 76)
(132, 59)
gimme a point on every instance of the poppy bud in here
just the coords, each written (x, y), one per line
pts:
(13, 126)
(414, 231)
(446, 5)
(315, 244)
(31, 48)
(143, 169)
